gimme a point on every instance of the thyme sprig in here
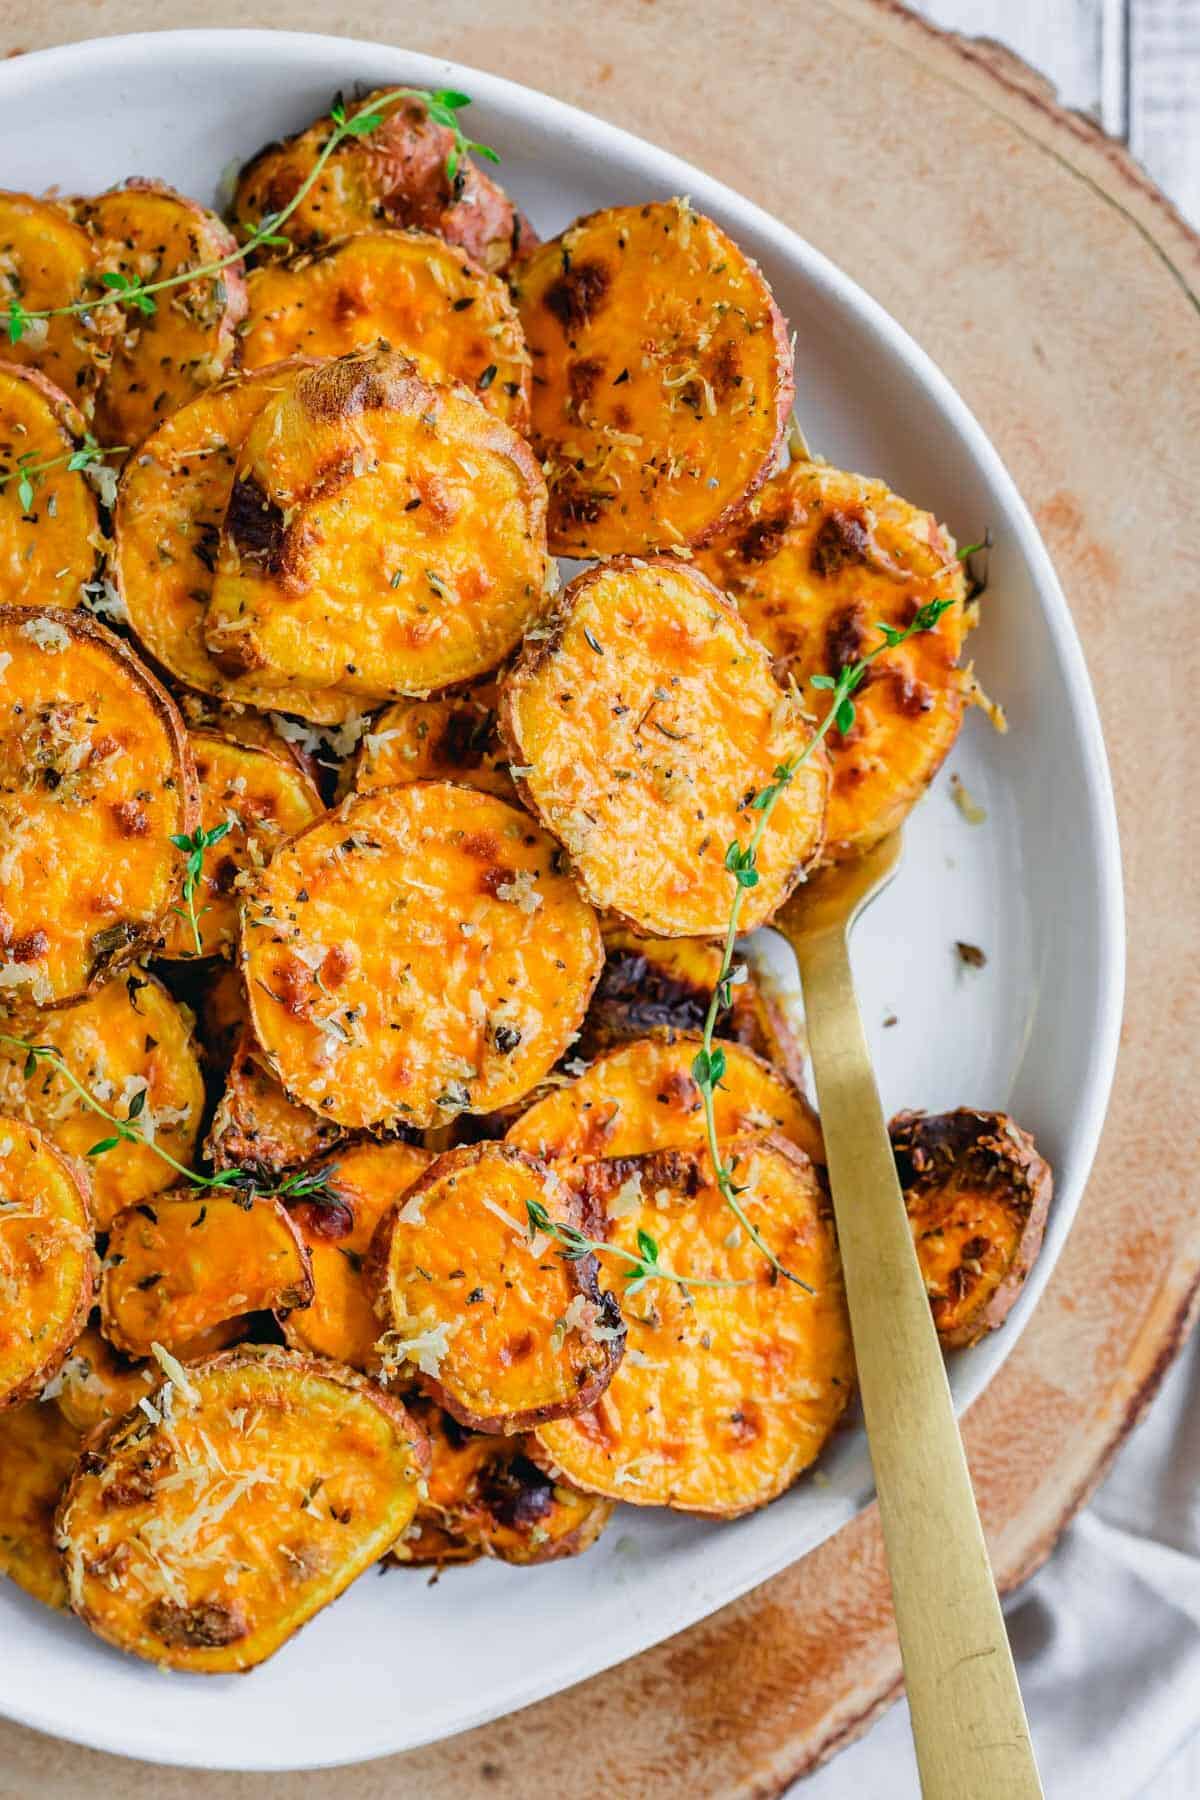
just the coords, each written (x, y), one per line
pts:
(443, 106)
(646, 1262)
(30, 469)
(306, 1184)
(709, 1063)
(194, 846)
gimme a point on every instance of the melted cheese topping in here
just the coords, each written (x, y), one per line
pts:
(47, 1264)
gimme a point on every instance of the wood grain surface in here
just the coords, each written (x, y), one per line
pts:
(1058, 290)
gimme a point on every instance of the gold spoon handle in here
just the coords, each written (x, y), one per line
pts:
(968, 1720)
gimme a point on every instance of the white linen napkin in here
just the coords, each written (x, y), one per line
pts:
(1106, 1636)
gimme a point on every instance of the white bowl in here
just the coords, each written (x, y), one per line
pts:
(396, 1662)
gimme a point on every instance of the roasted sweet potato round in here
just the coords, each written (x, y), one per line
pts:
(147, 231)
(193, 1259)
(502, 1337)
(255, 1125)
(395, 175)
(662, 378)
(407, 289)
(263, 798)
(97, 1383)
(425, 1544)
(364, 1181)
(38, 1452)
(385, 535)
(129, 1039)
(724, 1394)
(48, 260)
(171, 500)
(641, 728)
(95, 778)
(416, 954)
(202, 1537)
(977, 1194)
(49, 525)
(820, 561)
(642, 1097)
(47, 1262)
(453, 738)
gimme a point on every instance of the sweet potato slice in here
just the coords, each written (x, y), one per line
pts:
(191, 1260)
(977, 1194)
(416, 954)
(662, 378)
(204, 1539)
(365, 1180)
(264, 799)
(97, 1384)
(396, 175)
(47, 1261)
(407, 289)
(50, 537)
(129, 1039)
(426, 1544)
(502, 1337)
(648, 720)
(823, 558)
(665, 984)
(642, 1097)
(385, 536)
(38, 1452)
(171, 500)
(256, 1126)
(147, 231)
(253, 730)
(453, 738)
(95, 777)
(724, 1394)
(48, 260)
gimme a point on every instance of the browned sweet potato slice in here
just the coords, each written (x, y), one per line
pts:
(47, 260)
(417, 954)
(407, 289)
(642, 1097)
(502, 1337)
(38, 1452)
(647, 720)
(396, 175)
(725, 1394)
(97, 1383)
(47, 1262)
(365, 1180)
(823, 558)
(171, 500)
(49, 524)
(977, 1194)
(662, 378)
(203, 1541)
(264, 799)
(426, 1544)
(147, 231)
(95, 777)
(256, 1126)
(453, 738)
(385, 535)
(194, 1259)
(253, 730)
(129, 1039)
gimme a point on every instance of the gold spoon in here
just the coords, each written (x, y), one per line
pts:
(968, 1720)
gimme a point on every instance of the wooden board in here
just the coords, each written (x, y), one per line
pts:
(1059, 292)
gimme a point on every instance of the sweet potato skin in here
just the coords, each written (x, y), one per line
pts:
(130, 1036)
(978, 1194)
(48, 260)
(729, 1393)
(662, 378)
(46, 1256)
(648, 715)
(394, 176)
(509, 1355)
(189, 1261)
(407, 288)
(821, 558)
(385, 536)
(48, 552)
(38, 1452)
(95, 777)
(428, 1019)
(146, 229)
(346, 1456)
